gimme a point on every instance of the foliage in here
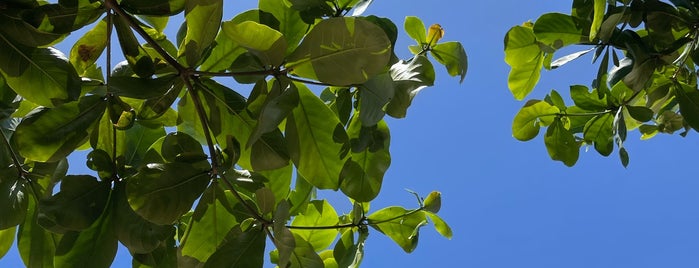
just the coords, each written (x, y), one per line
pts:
(646, 79)
(189, 172)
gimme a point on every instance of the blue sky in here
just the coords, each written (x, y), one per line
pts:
(508, 203)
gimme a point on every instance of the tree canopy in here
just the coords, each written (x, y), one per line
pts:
(188, 171)
(646, 79)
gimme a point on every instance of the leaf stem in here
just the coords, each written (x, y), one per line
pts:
(370, 222)
(339, 226)
(297, 79)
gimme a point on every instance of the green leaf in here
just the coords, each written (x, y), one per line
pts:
(587, 100)
(213, 218)
(36, 245)
(440, 225)
(362, 175)
(7, 236)
(142, 88)
(268, 153)
(301, 195)
(409, 77)
(77, 205)
(561, 144)
(202, 19)
(688, 98)
(347, 253)
(527, 122)
(164, 256)
(318, 213)
(523, 54)
(361, 46)
(559, 30)
(14, 28)
(624, 156)
(285, 241)
(93, 247)
(240, 249)
(291, 25)
(50, 134)
(63, 17)
(374, 95)
(521, 46)
(138, 140)
(304, 255)
(433, 202)
(316, 140)
(41, 75)
(599, 130)
(161, 193)
(155, 108)
(153, 7)
(137, 234)
(401, 225)
(640, 113)
(415, 28)
(140, 62)
(453, 56)
(275, 109)
(599, 6)
(226, 51)
(89, 47)
(267, 44)
(13, 199)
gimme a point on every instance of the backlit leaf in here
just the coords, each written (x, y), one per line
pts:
(41, 75)
(318, 213)
(415, 28)
(50, 134)
(203, 19)
(267, 44)
(561, 144)
(316, 140)
(598, 17)
(401, 227)
(527, 122)
(559, 30)
(36, 245)
(362, 175)
(213, 218)
(453, 56)
(7, 236)
(440, 225)
(361, 46)
(523, 54)
(599, 130)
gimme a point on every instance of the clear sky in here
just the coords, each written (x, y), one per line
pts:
(508, 203)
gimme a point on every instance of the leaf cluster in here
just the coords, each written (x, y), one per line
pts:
(188, 171)
(646, 78)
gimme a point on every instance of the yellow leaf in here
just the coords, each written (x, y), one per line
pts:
(434, 34)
